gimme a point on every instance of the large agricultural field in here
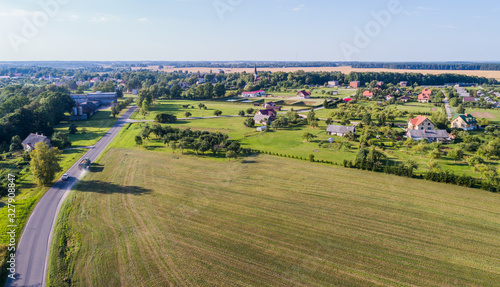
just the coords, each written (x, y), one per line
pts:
(143, 218)
(343, 69)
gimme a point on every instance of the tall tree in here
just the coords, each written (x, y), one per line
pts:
(44, 163)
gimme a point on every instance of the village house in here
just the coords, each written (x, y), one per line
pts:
(429, 135)
(368, 94)
(404, 99)
(403, 84)
(420, 123)
(304, 95)
(253, 94)
(340, 131)
(389, 97)
(30, 141)
(424, 98)
(465, 122)
(264, 116)
(355, 84)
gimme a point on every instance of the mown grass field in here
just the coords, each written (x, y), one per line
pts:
(145, 218)
(176, 108)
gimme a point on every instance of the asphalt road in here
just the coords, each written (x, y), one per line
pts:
(33, 249)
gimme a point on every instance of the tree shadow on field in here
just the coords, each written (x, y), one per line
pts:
(97, 186)
(96, 168)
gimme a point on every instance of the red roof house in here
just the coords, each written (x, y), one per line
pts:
(304, 95)
(368, 94)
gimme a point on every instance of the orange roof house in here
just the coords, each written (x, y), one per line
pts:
(368, 94)
(420, 123)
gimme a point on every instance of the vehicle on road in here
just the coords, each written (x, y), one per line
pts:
(84, 163)
(65, 176)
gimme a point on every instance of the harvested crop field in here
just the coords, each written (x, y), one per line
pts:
(343, 69)
(143, 218)
(485, 115)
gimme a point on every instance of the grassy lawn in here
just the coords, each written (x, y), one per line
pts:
(176, 107)
(95, 128)
(266, 221)
(287, 141)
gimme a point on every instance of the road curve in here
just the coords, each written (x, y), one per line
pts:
(32, 253)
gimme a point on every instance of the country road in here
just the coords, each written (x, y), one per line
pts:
(33, 248)
(447, 105)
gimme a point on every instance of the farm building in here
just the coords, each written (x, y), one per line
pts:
(465, 122)
(355, 84)
(430, 135)
(263, 116)
(333, 84)
(103, 98)
(30, 141)
(253, 94)
(339, 130)
(420, 123)
(304, 95)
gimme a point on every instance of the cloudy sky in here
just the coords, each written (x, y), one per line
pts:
(288, 30)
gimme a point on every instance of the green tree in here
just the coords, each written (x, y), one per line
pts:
(311, 117)
(44, 164)
(15, 144)
(308, 136)
(220, 90)
(329, 121)
(241, 113)
(461, 109)
(165, 118)
(456, 154)
(187, 114)
(250, 111)
(115, 110)
(250, 122)
(60, 140)
(138, 140)
(231, 154)
(217, 113)
(72, 129)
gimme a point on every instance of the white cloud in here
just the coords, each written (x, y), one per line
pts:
(142, 20)
(298, 8)
(99, 19)
(19, 13)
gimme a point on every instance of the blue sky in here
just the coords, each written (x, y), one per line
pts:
(272, 30)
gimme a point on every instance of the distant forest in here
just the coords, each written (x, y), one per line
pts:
(120, 65)
(430, 66)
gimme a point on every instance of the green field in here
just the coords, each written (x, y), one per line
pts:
(145, 218)
(89, 131)
(176, 107)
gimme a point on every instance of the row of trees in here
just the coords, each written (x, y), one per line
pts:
(187, 139)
